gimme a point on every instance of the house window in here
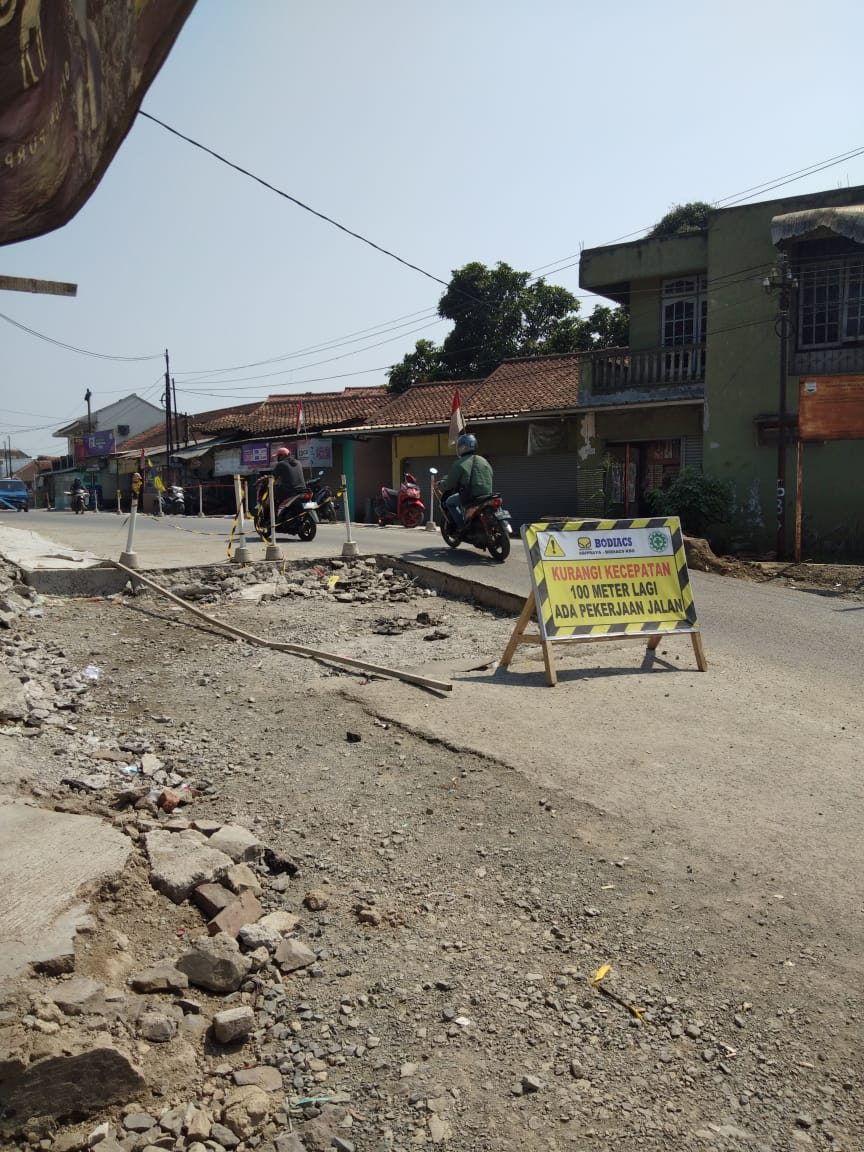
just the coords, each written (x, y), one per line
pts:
(831, 303)
(684, 321)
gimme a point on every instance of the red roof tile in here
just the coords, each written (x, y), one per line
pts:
(528, 385)
(277, 415)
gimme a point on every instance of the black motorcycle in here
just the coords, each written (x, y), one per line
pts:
(323, 496)
(487, 527)
(296, 515)
(80, 500)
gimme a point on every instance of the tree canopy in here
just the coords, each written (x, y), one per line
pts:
(692, 217)
(499, 313)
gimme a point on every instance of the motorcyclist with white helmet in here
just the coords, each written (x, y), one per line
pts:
(469, 480)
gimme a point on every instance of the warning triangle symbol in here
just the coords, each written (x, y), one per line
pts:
(553, 548)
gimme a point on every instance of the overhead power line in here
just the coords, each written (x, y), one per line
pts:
(72, 348)
(293, 199)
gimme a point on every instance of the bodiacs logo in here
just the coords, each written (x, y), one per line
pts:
(658, 541)
(584, 541)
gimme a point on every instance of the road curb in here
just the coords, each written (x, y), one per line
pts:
(453, 585)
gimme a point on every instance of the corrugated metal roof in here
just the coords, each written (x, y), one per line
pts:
(848, 222)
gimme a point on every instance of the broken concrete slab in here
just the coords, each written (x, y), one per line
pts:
(79, 996)
(180, 861)
(69, 1085)
(238, 842)
(46, 858)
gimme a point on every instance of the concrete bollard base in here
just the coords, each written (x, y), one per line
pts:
(274, 552)
(349, 548)
(241, 555)
(130, 560)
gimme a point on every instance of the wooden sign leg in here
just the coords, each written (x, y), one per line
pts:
(653, 642)
(549, 662)
(521, 624)
(701, 662)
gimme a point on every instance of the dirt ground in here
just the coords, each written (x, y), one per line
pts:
(476, 984)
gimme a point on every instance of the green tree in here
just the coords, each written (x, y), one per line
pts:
(692, 217)
(424, 363)
(498, 313)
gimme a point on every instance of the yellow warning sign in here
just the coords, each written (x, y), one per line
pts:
(599, 579)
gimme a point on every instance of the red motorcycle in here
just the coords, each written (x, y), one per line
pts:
(403, 507)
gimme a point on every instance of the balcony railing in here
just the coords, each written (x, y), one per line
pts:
(618, 369)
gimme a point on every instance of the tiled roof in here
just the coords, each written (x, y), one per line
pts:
(277, 415)
(528, 385)
(424, 404)
(34, 468)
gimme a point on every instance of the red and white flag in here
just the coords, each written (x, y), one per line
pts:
(299, 417)
(457, 424)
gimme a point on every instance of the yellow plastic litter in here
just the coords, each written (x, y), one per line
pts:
(600, 973)
(334, 579)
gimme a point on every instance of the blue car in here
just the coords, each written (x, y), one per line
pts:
(14, 494)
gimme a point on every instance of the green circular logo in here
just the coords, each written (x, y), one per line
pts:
(658, 541)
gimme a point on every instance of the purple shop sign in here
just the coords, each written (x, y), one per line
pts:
(98, 443)
(255, 455)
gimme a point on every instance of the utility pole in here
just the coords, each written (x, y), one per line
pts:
(782, 282)
(167, 398)
(88, 396)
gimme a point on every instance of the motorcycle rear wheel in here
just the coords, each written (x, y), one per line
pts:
(307, 528)
(412, 516)
(497, 541)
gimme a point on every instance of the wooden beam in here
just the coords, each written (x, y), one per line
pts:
(45, 287)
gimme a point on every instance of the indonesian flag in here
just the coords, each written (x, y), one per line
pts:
(457, 424)
(299, 418)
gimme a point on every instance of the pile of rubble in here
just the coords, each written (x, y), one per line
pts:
(348, 581)
(16, 597)
(257, 1064)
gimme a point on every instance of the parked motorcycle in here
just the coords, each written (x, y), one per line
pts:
(323, 496)
(295, 515)
(80, 500)
(174, 500)
(403, 507)
(487, 526)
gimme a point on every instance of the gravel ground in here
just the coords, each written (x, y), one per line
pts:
(452, 999)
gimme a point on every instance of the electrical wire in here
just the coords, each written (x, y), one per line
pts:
(72, 347)
(293, 199)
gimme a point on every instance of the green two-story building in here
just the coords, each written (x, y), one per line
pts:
(707, 381)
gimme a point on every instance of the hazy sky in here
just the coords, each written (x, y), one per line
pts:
(444, 130)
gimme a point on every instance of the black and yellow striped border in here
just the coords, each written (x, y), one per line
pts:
(551, 631)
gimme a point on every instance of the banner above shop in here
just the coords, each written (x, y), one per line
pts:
(99, 443)
(72, 77)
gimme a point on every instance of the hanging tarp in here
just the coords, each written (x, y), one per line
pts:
(72, 76)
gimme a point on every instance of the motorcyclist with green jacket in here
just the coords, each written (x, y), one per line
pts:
(469, 480)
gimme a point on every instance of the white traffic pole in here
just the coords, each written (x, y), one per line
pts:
(128, 558)
(274, 552)
(241, 552)
(431, 526)
(200, 499)
(349, 548)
